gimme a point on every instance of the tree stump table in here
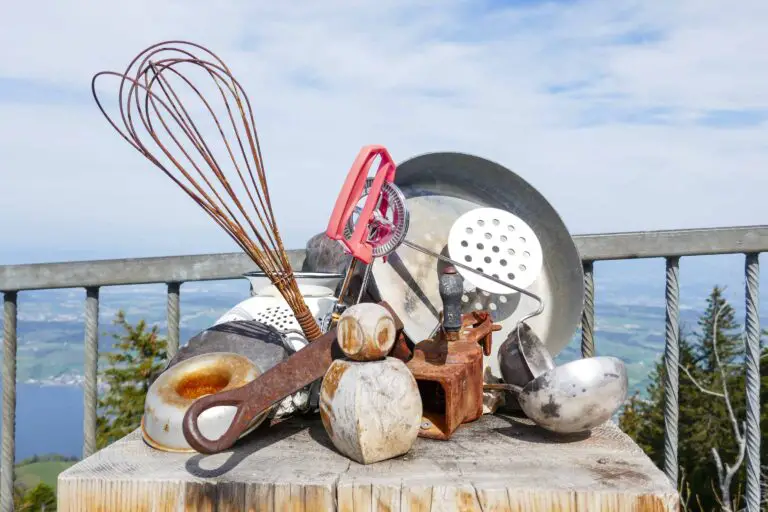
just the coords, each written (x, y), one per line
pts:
(498, 463)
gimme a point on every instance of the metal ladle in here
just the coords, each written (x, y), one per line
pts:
(574, 397)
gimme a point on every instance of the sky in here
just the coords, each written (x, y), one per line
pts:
(625, 115)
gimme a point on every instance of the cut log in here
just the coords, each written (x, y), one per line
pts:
(495, 463)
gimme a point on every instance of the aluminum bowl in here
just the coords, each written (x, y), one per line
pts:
(522, 358)
(576, 396)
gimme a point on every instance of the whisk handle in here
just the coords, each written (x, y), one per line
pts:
(302, 368)
(350, 194)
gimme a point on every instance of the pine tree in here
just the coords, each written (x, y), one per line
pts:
(42, 498)
(703, 420)
(140, 353)
(643, 420)
(730, 345)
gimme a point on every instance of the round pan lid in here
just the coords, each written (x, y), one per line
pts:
(441, 187)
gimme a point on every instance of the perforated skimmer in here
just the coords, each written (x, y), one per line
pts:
(496, 243)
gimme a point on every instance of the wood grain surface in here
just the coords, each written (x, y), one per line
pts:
(498, 463)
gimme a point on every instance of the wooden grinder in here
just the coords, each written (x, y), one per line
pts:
(369, 403)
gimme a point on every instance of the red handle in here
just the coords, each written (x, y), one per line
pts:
(357, 245)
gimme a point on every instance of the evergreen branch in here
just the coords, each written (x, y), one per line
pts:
(696, 383)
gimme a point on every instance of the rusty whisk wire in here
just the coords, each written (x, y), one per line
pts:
(146, 93)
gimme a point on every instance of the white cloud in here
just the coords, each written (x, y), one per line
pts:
(326, 78)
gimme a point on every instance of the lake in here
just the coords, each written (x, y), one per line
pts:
(49, 419)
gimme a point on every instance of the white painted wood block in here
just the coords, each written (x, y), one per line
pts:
(370, 410)
(366, 332)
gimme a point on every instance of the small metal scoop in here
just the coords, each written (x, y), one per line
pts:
(576, 396)
(522, 357)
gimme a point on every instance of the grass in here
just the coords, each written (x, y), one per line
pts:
(47, 472)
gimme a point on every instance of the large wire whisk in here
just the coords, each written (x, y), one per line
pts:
(147, 99)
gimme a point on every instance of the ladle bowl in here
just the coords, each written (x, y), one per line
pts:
(522, 358)
(576, 396)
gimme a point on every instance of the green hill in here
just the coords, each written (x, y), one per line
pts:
(47, 472)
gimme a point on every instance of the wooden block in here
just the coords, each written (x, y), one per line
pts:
(416, 498)
(371, 410)
(260, 497)
(495, 463)
(453, 497)
(366, 332)
(493, 497)
(385, 497)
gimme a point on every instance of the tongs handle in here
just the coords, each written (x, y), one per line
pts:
(357, 245)
(280, 381)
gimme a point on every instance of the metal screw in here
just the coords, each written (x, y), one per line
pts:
(425, 425)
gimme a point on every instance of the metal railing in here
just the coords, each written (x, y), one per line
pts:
(671, 245)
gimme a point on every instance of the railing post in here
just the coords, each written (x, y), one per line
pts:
(671, 369)
(9, 402)
(588, 314)
(91, 369)
(752, 342)
(173, 318)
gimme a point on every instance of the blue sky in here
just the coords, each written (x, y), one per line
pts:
(625, 115)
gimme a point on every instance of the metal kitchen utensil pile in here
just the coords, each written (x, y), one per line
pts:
(441, 187)
(457, 250)
(496, 252)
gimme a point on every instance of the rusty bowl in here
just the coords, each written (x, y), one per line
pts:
(171, 394)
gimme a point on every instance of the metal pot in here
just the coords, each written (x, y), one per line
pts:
(228, 354)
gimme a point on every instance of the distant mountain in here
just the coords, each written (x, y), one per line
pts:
(629, 309)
